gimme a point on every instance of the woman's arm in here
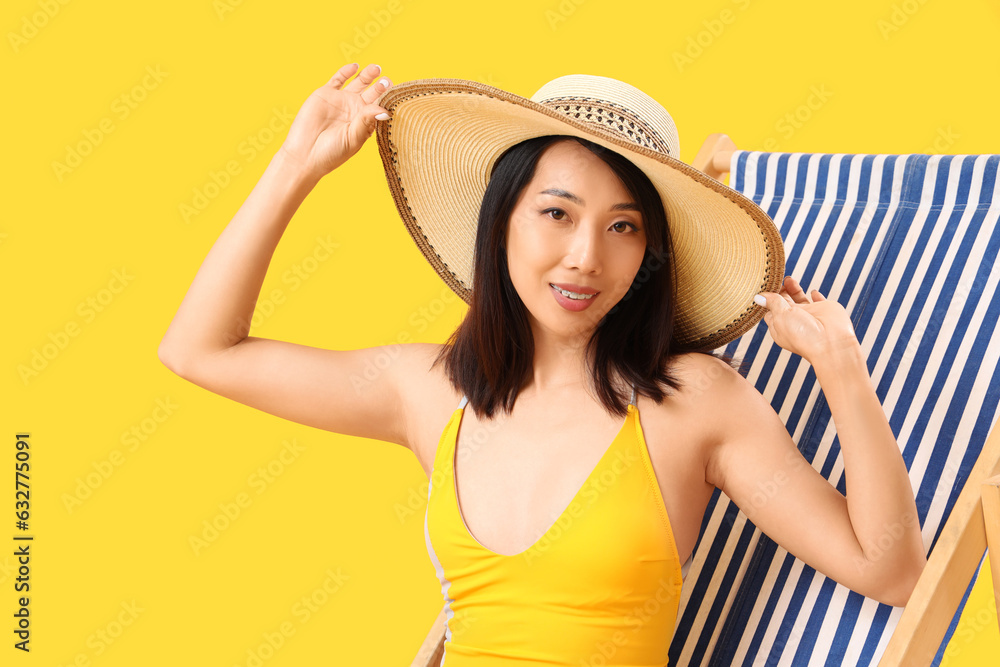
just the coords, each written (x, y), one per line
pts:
(869, 541)
(207, 341)
(215, 313)
(331, 126)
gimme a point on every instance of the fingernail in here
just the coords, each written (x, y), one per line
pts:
(761, 301)
(382, 116)
(385, 82)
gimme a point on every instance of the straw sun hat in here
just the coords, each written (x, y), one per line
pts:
(444, 135)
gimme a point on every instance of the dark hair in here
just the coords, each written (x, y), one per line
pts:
(489, 356)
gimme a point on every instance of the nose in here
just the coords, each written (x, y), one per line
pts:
(585, 252)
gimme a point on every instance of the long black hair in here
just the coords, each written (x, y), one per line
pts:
(489, 356)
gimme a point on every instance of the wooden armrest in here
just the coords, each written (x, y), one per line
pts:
(715, 155)
(950, 567)
(991, 514)
(432, 650)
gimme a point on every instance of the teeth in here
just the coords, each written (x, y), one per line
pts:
(573, 295)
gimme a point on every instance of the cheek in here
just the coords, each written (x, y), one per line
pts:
(627, 273)
(527, 251)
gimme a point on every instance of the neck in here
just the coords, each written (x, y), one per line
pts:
(559, 365)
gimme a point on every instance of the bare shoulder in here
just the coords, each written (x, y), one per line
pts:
(713, 380)
(681, 433)
(709, 385)
(423, 384)
(724, 401)
(428, 398)
(699, 372)
(702, 377)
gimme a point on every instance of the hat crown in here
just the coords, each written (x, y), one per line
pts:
(614, 106)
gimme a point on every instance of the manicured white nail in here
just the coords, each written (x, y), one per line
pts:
(761, 301)
(384, 82)
(382, 116)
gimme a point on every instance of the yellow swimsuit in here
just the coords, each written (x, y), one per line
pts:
(600, 587)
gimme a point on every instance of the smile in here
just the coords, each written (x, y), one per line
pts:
(571, 295)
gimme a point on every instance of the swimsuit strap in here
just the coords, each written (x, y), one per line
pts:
(465, 400)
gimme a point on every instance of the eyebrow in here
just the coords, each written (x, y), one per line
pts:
(558, 192)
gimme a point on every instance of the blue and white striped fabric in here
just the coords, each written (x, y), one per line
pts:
(908, 244)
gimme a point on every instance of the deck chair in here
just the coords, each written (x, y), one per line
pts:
(908, 244)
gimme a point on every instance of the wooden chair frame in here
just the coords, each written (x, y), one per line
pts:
(972, 526)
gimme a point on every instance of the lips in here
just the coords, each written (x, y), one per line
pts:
(570, 303)
(579, 289)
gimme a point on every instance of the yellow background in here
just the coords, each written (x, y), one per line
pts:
(900, 77)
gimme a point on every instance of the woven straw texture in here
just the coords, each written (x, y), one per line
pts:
(444, 136)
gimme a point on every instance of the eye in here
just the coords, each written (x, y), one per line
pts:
(626, 222)
(561, 212)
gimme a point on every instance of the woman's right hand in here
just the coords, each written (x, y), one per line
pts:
(335, 120)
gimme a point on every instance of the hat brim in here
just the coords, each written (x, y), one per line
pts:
(441, 142)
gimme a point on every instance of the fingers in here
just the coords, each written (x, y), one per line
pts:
(794, 290)
(772, 301)
(372, 93)
(338, 79)
(364, 77)
(360, 84)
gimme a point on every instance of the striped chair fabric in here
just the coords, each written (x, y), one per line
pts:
(908, 244)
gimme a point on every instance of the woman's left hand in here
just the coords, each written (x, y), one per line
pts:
(807, 327)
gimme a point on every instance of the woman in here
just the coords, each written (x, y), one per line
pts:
(557, 547)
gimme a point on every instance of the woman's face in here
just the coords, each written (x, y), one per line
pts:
(574, 225)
